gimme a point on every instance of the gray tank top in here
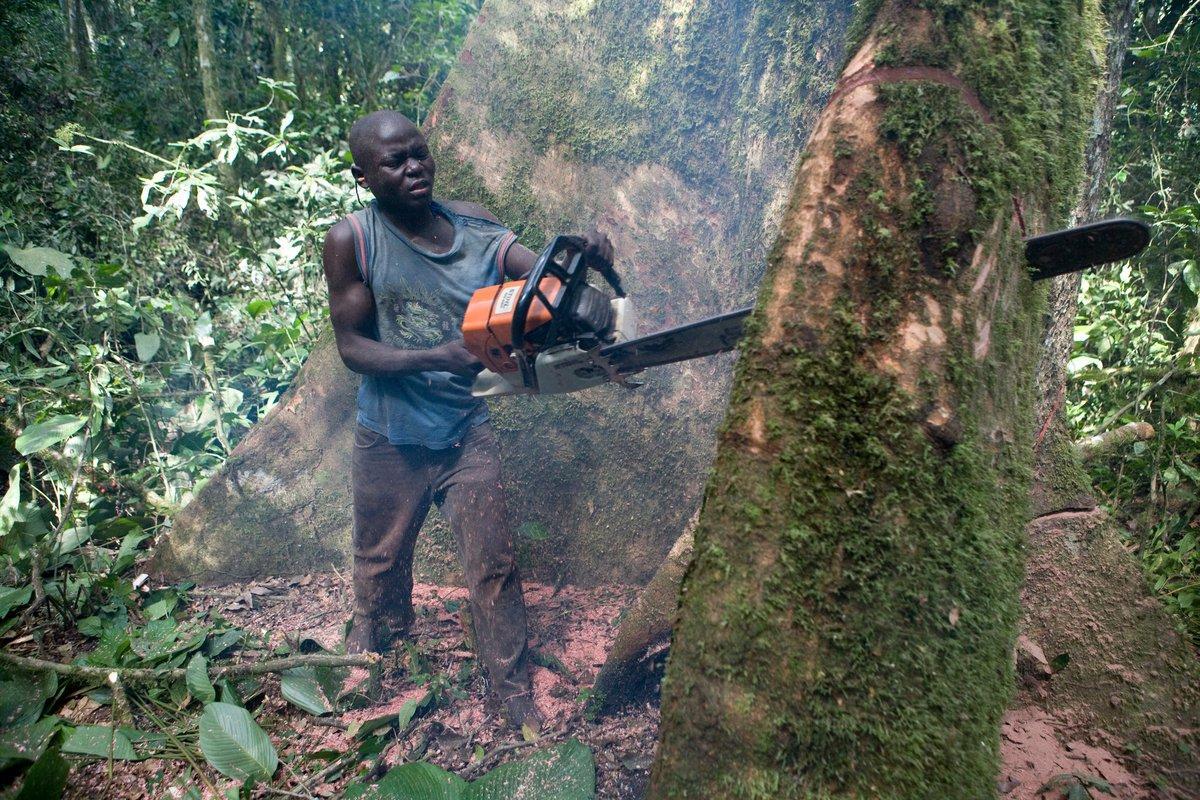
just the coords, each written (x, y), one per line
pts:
(420, 299)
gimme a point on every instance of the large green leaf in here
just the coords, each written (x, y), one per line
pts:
(46, 779)
(417, 781)
(10, 504)
(301, 688)
(22, 698)
(26, 742)
(45, 434)
(564, 772)
(35, 260)
(13, 597)
(71, 539)
(198, 683)
(234, 745)
(147, 345)
(99, 741)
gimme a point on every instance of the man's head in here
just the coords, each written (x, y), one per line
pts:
(392, 159)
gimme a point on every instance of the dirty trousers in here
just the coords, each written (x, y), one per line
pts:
(393, 487)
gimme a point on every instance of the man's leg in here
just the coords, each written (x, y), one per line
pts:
(470, 494)
(391, 498)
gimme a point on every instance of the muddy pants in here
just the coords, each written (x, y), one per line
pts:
(393, 487)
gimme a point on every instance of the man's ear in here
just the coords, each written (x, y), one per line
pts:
(359, 176)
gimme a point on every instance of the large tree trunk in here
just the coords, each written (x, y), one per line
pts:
(847, 623)
(677, 125)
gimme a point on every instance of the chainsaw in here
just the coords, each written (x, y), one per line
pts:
(554, 331)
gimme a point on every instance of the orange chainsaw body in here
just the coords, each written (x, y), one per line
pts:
(487, 325)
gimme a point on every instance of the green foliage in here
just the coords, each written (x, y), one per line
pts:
(99, 741)
(563, 772)
(1136, 337)
(301, 688)
(162, 285)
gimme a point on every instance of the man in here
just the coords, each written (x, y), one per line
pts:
(400, 273)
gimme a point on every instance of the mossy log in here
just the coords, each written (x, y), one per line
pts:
(846, 627)
(1103, 444)
(677, 126)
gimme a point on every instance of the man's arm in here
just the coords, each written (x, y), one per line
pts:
(352, 311)
(520, 259)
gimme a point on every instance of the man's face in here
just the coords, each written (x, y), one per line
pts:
(399, 169)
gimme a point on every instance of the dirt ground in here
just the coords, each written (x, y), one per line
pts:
(571, 630)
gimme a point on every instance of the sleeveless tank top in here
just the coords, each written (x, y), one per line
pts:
(420, 299)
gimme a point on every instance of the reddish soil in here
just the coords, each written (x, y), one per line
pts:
(1034, 747)
(573, 625)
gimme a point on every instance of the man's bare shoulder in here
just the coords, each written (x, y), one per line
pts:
(340, 232)
(469, 209)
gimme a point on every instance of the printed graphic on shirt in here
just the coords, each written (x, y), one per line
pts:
(416, 318)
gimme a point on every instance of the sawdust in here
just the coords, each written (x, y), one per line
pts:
(1034, 749)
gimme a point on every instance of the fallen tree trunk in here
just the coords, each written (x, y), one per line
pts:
(677, 126)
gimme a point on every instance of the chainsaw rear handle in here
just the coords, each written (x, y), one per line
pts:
(571, 270)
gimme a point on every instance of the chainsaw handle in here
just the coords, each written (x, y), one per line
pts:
(571, 273)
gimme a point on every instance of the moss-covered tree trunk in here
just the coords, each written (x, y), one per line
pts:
(846, 625)
(675, 124)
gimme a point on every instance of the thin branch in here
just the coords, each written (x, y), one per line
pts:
(142, 675)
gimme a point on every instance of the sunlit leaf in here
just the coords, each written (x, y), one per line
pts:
(198, 684)
(234, 744)
(256, 307)
(45, 434)
(301, 688)
(35, 260)
(147, 345)
(203, 330)
(100, 741)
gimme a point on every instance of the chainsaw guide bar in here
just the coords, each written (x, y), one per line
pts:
(554, 332)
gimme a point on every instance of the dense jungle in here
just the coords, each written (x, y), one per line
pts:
(168, 172)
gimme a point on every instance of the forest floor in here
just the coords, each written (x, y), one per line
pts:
(571, 630)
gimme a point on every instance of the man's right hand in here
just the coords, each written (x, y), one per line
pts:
(454, 357)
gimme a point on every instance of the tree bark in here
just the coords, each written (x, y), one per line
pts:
(277, 28)
(677, 126)
(78, 41)
(206, 60)
(846, 626)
